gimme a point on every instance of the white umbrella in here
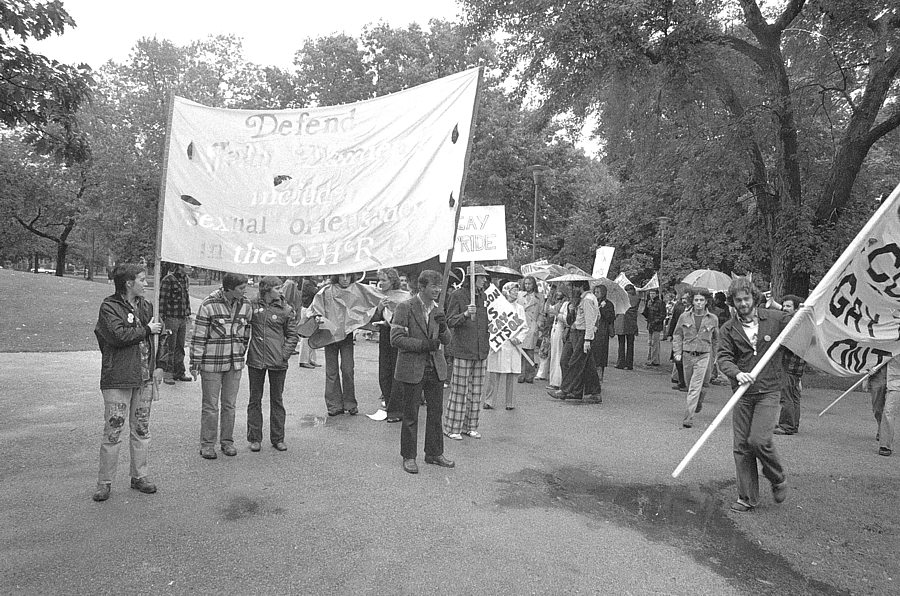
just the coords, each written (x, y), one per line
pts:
(709, 279)
(614, 293)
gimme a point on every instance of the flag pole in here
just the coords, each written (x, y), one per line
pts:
(830, 279)
(868, 375)
(161, 207)
(462, 187)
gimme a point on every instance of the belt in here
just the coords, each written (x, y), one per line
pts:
(697, 353)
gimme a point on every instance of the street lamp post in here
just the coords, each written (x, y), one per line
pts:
(537, 173)
(663, 222)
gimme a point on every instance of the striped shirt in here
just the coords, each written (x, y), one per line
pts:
(221, 334)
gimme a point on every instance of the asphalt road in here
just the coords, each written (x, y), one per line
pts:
(555, 499)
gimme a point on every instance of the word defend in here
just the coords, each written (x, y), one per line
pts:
(480, 234)
(503, 320)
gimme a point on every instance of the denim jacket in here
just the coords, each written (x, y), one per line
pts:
(687, 338)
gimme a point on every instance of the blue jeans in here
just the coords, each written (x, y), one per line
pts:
(119, 404)
(339, 391)
(754, 419)
(277, 414)
(215, 385)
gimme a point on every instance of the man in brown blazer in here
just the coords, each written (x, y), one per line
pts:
(418, 329)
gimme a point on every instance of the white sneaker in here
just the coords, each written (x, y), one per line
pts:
(472, 433)
(454, 436)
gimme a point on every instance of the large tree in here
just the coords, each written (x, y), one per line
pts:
(796, 92)
(37, 93)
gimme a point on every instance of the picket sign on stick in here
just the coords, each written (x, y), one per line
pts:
(868, 375)
(472, 284)
(524, 355)
(830, 280)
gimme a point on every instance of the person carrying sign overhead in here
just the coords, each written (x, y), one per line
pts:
(469, 348)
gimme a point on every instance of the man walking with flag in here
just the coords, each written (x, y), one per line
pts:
(744, 340)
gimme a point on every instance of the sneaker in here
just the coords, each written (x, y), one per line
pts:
(255, 446)
(102, 492)
(454, 436)
(143, 485)
(885, 451)
(472, 433)
(779, 491)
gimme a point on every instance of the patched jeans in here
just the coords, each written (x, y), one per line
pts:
(119, 405)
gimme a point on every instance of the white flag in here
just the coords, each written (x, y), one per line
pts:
(851, 321)
(623, 280)
(653, 284)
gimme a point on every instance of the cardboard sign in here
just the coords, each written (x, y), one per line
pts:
(529, 268)
(480, 235)
(503, 320)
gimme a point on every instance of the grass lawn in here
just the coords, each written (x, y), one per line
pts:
(45, 313)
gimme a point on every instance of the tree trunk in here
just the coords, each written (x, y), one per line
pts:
(61, 249)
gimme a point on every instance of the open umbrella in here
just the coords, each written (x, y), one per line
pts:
(572, 277)
(502, 271)
(709, 279)
(614, 293)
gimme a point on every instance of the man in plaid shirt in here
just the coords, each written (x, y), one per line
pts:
(220, 340)
(175, 310)
(793, 367)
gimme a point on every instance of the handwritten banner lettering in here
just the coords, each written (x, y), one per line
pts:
(503, 320)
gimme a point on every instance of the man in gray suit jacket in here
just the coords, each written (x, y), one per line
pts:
(418, 329)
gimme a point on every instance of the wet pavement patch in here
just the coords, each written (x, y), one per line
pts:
(694, 521)
(241, 507)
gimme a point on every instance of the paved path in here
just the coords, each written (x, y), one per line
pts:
(556, 499)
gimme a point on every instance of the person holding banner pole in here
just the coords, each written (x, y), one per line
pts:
(744, 340)
(468, 320)
(505, 364)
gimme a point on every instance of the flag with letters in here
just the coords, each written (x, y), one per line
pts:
(851, 322)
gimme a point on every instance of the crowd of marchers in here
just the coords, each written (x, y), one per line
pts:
(427, 345)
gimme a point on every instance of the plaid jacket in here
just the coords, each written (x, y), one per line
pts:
(221, 335)
(791, 363)
(173, 297)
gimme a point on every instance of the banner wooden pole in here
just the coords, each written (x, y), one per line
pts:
(160, 210)
(462, 188)
(868, 375)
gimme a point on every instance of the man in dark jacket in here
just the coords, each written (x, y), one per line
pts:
(175, 311)
(744, 340)
(418, 328)
(628, 331)
(129, 365)
(655, 313)
(469, 347)
(273, 337)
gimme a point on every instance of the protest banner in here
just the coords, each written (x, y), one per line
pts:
(653, 284)
(319, 190)
(623, 280)
(480, 234)
(576, 270)
(848, 324)
(602, 261)
(530, 268)
(503, 320)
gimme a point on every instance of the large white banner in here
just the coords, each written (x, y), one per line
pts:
(320, 190)
(851, 322)
(480, 234)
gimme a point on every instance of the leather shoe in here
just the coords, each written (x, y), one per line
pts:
(487, 407)
(279, 446)
(558, 394)
(305, 365)
(410, 466)
(208, 453)
(143, 485)
(255, 446)
(185, 378)
(102, 492)
(740, 507)
(229, 450)
(316, 365)
(439, 460)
